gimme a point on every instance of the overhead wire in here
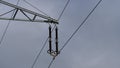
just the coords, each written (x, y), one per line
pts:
(35, 7)
(5, 31)
(51, 62)
(68, 1)
(47, 37)
(38, 55)
(18, 2)
(80, 25)
(45, 41)
(77, 30)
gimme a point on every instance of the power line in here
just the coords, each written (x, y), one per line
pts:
(18, 2)
(41, 50)
(77, 30)
(5, 31)
(68, 1)
(39, 54)
(35, 7)
(47, 37)
(51, 63)
(80, 25)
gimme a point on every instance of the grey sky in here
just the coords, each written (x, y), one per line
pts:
(96, 45)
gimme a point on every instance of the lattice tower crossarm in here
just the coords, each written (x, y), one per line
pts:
(47, 18)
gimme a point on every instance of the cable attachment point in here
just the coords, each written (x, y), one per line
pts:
(53, 53)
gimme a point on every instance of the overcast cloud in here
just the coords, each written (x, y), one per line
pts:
(96, 44)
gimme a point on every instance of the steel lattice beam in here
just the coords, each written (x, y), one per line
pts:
(48, 19)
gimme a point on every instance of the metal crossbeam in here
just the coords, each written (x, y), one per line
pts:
(25, 20)
(49, 19)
